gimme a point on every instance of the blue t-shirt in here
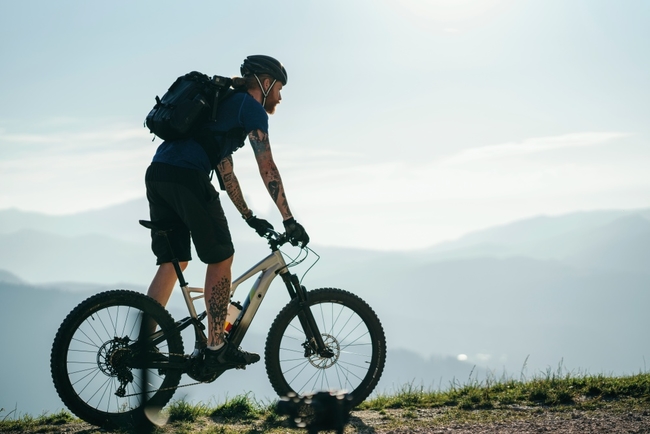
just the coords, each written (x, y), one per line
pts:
(240, 110)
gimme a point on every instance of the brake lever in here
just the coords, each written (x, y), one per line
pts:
(276, 237)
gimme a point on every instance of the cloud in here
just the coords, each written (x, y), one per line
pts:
(353, 181)
(424, 201)
(108, 136)
(63, 171)
(430, 201)
(533, 145)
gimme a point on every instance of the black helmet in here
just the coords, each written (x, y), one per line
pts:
(260, 64)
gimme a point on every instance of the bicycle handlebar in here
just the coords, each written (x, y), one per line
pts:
(277, 240)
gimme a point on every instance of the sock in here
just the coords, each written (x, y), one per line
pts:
(216, 347)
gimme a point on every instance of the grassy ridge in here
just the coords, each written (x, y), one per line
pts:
(550, 391)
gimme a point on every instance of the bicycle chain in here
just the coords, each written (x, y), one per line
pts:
(166, 388)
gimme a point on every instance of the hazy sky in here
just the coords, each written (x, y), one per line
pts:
(404, 122)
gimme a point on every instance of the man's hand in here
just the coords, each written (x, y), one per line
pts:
(296, 233)
(261, 226)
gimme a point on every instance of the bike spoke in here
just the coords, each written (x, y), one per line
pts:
(95, 351)
(346, 333)
(97, 388)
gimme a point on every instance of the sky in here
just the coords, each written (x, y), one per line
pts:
(404, 123)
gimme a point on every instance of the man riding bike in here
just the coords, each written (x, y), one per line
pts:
(181, 195)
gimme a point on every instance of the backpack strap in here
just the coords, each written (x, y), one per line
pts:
(222, 92)
(222, 186)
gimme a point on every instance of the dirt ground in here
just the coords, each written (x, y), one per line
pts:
(515, 421)
(437, 421)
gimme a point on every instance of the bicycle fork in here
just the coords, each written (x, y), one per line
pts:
(314, 343)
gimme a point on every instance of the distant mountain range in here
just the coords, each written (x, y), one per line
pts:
(119, 221)
(570, 289)
(109, 246)
(605, 240)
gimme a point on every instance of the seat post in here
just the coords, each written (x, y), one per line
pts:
(175, 261)
(157, 230)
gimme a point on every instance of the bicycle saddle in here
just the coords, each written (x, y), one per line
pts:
(155, 226)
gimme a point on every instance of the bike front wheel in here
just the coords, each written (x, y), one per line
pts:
(103, 371)
(353, 335)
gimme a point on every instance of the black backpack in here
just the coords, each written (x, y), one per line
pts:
(190, 101)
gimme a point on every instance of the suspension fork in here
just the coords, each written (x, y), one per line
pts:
(315, 343)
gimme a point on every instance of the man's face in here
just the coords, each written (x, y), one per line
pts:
(274, 97)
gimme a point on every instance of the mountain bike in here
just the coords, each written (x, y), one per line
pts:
(119, 352)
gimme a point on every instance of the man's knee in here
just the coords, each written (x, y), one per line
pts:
(221, 264)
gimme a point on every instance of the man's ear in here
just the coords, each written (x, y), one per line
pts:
(267, 84)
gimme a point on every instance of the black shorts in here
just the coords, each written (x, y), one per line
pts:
(185, 201)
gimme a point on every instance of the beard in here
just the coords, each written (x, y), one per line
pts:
(270, 106)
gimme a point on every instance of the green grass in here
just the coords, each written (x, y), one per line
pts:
(239, 408)
(551, 389)
(473, 401)
(242, 408)
(183, 411)
(11, 421)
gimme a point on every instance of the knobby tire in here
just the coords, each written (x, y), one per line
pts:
(350, 328)
(88, 353)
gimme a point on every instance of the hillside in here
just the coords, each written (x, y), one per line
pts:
(556, 402)
(608, 420)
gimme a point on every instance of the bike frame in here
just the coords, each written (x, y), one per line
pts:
(267, 269)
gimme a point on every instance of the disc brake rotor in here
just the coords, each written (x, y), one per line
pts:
(326, 362)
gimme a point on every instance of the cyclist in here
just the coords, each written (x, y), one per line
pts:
(181, 195)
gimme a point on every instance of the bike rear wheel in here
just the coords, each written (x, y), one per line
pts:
(99, 366)
(350, 330)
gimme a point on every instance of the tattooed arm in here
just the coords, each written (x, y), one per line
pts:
(269, 171)
(232, 186)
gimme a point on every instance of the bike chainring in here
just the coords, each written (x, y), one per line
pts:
(195, 369)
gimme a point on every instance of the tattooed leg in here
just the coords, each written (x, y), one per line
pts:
(217, 296)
